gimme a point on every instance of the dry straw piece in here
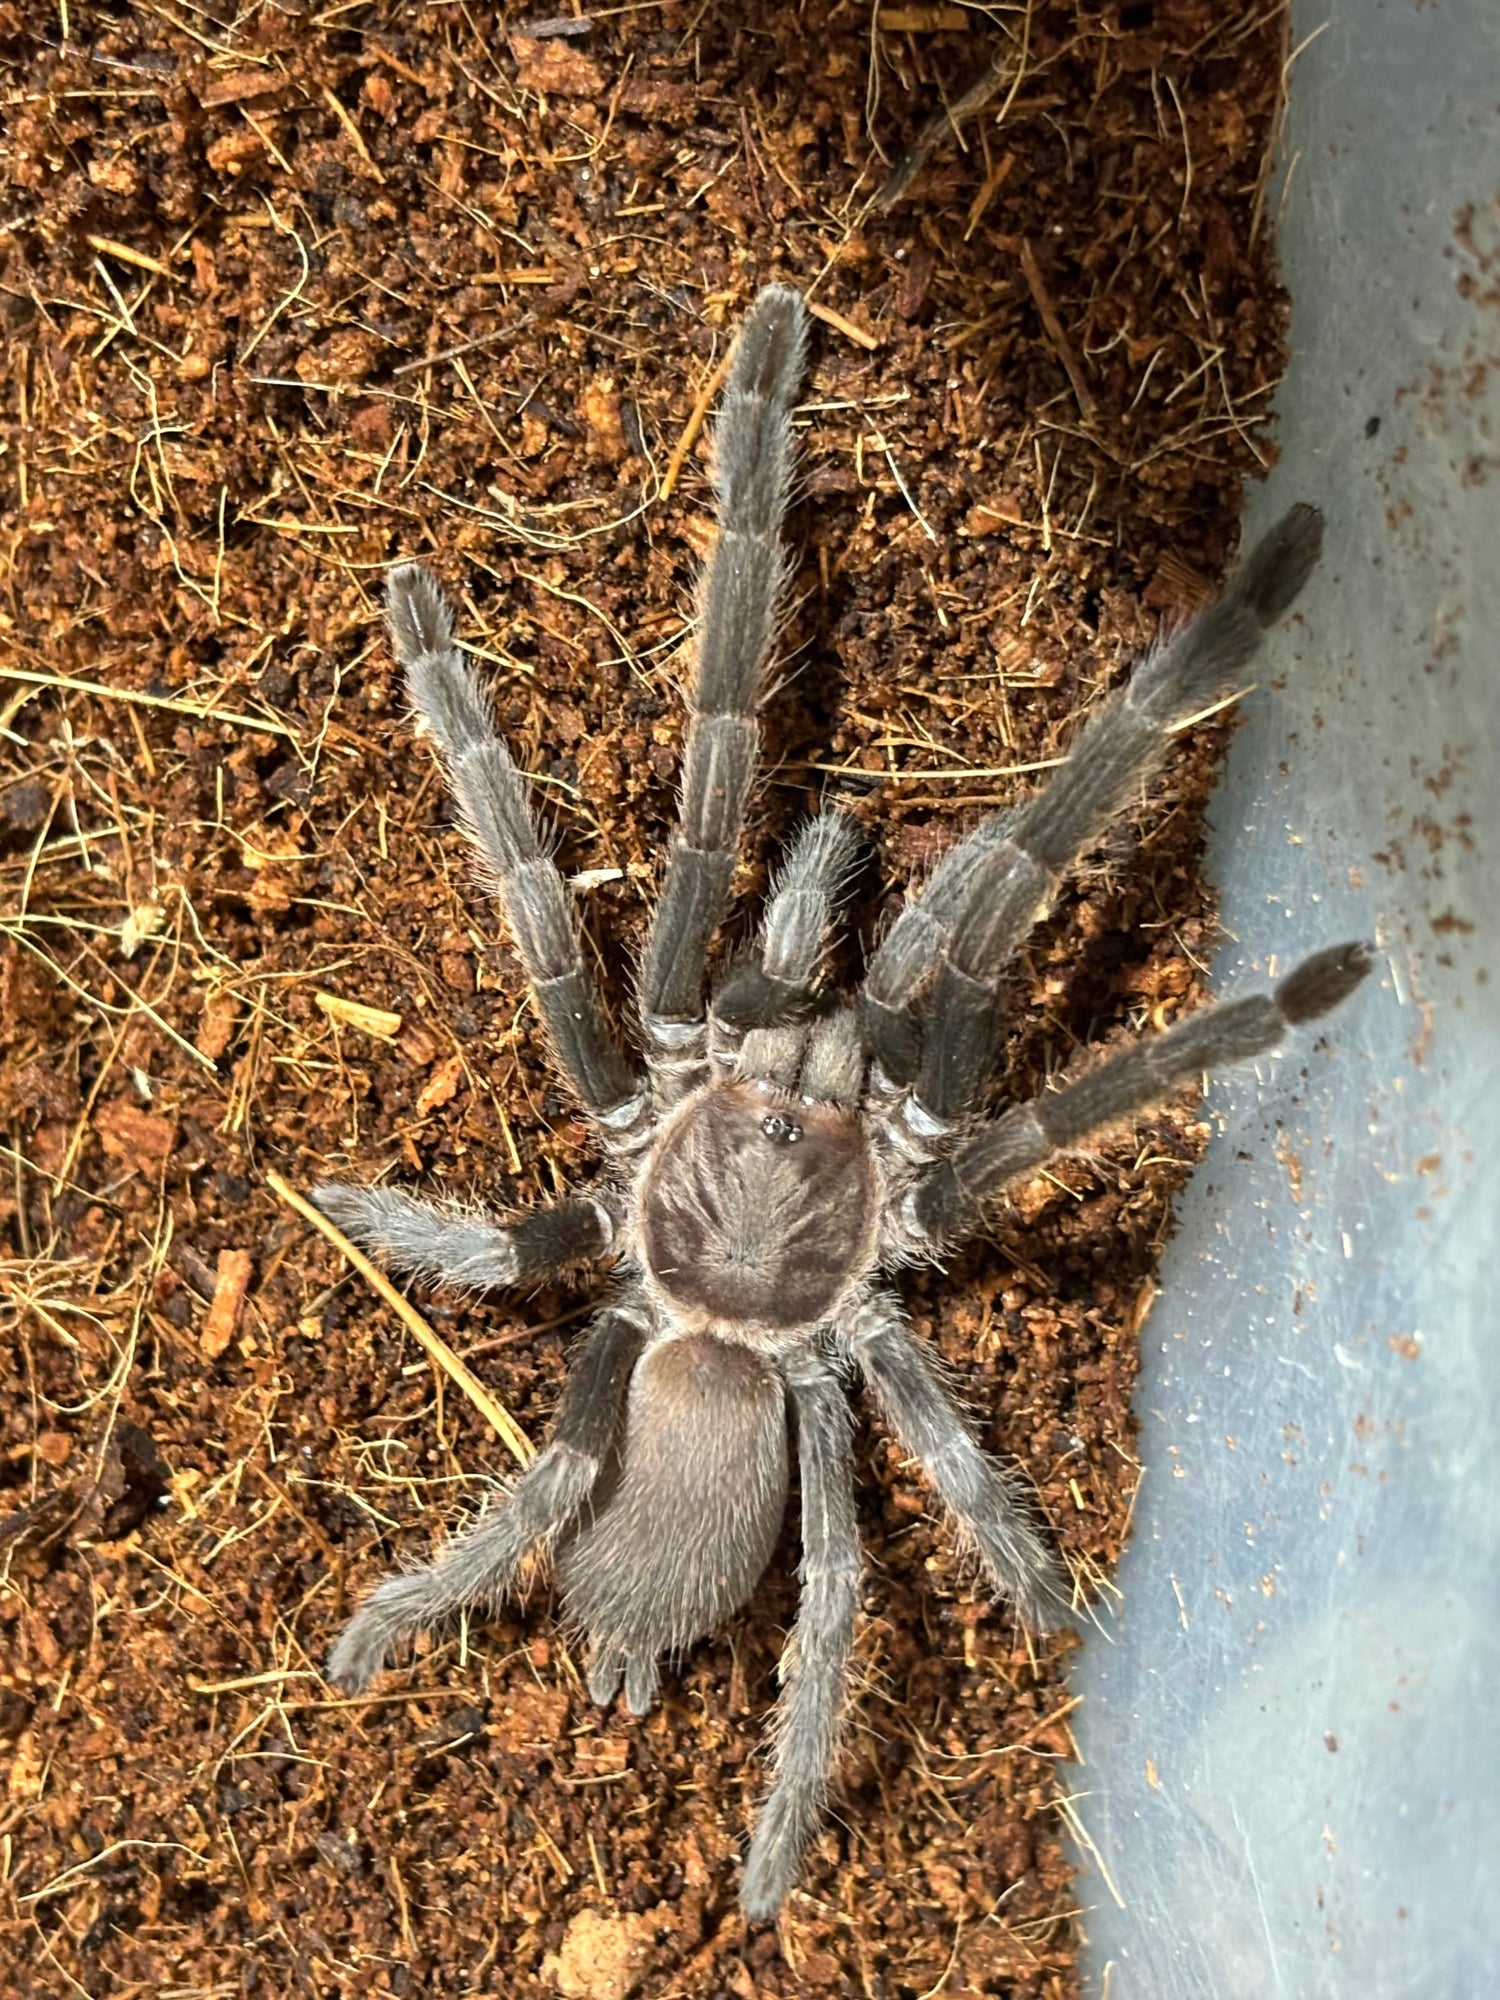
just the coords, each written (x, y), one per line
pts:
(499, 1419)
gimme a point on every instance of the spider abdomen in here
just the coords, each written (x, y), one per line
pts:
(758, 1211)
(686, 1516)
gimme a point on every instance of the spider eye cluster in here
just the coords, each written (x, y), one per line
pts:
(777, 1126)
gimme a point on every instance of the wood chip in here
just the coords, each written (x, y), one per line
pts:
(861, 336)
(441, 1087)
(232, 153)
(143, 1139)
(600, 1957)
(986, 516)
(418, 1044)
(378, 1021)
(230, 1285)
(236, 85)
(557, 69)
(923, 20)
(216, 1025)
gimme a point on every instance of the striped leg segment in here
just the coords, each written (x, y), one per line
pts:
(738, 609)
(950, 1200)
(491, 795)
(929, 999)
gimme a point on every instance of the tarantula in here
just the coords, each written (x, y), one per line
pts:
(778, 1150)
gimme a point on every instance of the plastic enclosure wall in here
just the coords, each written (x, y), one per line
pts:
(1291, 1736)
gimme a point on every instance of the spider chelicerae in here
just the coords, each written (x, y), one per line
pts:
(777, 1151)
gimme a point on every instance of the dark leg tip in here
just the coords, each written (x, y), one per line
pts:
(354, 1661)
(772, 345)
(1319, 983)
(417, 611)
(1280, 563)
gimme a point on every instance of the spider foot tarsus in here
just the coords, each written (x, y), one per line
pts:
(1272, 576)
(605, 1671)
(639, 1670)
(641, 1681)
(1322, 982)
(396, 1611)
(1024, 1571)
(776, 1849)
(951, 1201)
(989, 1501)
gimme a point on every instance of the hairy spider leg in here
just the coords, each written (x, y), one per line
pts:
(929, 996)
(951, 1198)
(815, 1666)
(992, 1504)
(772, 983)
(491, 795)
(446, 1244)
(479, 1566)
(739, 603)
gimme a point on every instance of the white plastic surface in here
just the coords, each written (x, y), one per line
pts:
(1292, 1726)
